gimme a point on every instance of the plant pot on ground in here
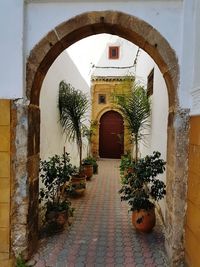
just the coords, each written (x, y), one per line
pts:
(54, 173)
(90, 166)
(141, 189)
(78, 184)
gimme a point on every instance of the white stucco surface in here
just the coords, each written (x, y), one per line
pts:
(195, 90)
(11, 52)
(25, 23)
(43, 17)
(52, 140)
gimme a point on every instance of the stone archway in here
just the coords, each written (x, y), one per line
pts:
(27, 123)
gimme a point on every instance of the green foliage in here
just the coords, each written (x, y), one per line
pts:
(141, 188)
(91, 161)
(20, 262)
(54, 173)
(135, 108)
(125, 163)
(89, 132)
(73, 105)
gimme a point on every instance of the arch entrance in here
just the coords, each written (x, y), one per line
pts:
(27, 135)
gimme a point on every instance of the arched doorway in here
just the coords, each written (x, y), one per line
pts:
(111, 135)
(27, 136)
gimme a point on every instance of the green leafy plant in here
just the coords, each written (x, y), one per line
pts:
(54, 173)
(125, 163)
(135, 107)
(89, 132)
(73, 105)
(20, 262)
(141, 189)
(91, 161)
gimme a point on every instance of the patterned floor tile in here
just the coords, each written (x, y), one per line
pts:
(101, 233)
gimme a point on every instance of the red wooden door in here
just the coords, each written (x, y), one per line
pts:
(111, 135)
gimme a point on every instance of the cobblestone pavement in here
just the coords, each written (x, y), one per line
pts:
(101, 233)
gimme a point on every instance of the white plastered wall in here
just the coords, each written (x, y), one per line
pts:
(52, 140)
(25, 23)
(195, 90)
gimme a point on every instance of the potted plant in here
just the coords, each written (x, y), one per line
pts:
(54, 173)
(90, 166)
(139, 182)
(89, 163)
(126, 163)
(142, 189)
(73, 105)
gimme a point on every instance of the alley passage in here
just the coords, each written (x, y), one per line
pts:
(101, 233)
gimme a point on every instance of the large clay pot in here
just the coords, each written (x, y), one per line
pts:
(61, 218)
(77, 180)
(143, 220)
(88, 170)
(58, 219)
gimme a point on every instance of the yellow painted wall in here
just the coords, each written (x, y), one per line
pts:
(109, 88)
(5, 183)
(192, 236)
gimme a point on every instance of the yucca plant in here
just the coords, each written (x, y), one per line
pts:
(73, 105)
(135, 108)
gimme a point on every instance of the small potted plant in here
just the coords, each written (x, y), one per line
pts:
(73, 105)
(142, 189)
(89, 163)
(126, 163)
(90, 166)
(54, 173)
(87, 167)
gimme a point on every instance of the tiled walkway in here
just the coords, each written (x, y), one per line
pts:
(101, 233)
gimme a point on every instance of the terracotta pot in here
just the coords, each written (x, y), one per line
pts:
(50, 216)
(76, 180)
(61, 218)
(58, 217)
(88, 170)
(143, 220)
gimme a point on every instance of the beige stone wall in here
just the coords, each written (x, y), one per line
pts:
(5, 183)
(109, 88)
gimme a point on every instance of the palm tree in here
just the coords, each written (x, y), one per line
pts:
(73, 105)
(136, 110)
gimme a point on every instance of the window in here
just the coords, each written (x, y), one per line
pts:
(150, 83)
(102, 99)
(113, 52)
